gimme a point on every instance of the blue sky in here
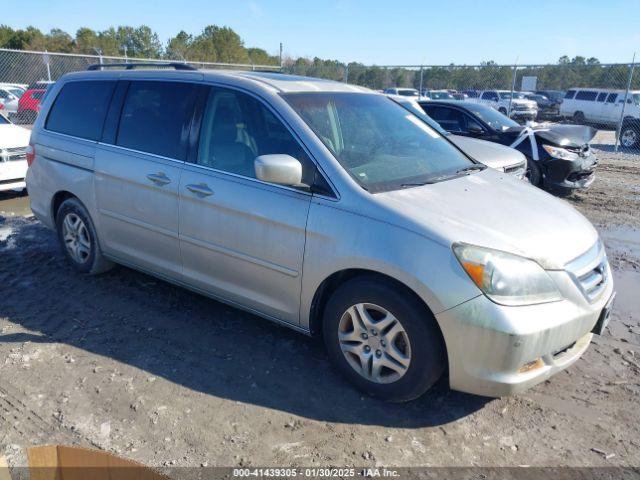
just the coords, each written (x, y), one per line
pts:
(373, 32)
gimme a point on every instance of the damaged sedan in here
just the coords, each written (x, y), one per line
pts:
(559, 157)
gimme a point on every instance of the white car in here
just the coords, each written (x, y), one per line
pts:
(598, 105)
(521, 108)
(403, 92)
(13, 161)
(9, 97)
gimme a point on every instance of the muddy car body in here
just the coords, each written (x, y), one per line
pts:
(327, 208)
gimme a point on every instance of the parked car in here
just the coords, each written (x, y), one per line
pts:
(14, 141)
(521, 109)
(493, 155)
(29, 105)
(404, 92)
(564, 162)
(21, 86)
(554, 95)
(460, 96)
(9, 97)
(438, 95)
(599, 106)
(472, 93)
(327, 208)
(547, 109)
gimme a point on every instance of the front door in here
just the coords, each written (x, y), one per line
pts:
(242, 239)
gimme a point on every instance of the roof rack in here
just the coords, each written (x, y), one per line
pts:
(132, 65)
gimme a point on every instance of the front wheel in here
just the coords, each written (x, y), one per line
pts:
(533, 172)
(383, 339)
(78, 238)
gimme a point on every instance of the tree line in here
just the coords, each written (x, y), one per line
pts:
(222, 44)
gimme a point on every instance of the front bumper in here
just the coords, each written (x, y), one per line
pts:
(531, 114)
(569, 174)
(495, 350)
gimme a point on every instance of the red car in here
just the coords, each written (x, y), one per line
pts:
(29, 104)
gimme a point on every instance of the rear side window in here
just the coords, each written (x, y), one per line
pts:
(586, 95)
(569, 95)
(80, 108)
(612, 98)
(155, 118)
(602, 96)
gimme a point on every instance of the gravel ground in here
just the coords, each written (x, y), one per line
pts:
(133, 365)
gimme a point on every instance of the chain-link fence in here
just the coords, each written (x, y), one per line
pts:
(20, 69)
(604, 95)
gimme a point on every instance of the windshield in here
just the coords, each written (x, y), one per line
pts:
(505, 95)
(408, 93)
(379, 143)
(636, 98)
(492, 117)
(441, 96)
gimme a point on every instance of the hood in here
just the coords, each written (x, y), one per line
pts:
(566, 135)
(12, 136)
(522, 101)
(494, 210)
(491, 154)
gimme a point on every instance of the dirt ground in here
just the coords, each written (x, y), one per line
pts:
(133, 365)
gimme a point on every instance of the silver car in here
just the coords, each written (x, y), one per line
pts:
(327, 208)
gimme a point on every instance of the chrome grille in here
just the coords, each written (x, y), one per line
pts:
(590, 271)
(14, 154)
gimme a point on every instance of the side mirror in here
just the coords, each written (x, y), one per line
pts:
(475, 130)
(280, 169)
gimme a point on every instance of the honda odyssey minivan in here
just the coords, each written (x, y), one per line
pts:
(325, 207)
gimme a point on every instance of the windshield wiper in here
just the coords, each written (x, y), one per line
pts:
(471, 168)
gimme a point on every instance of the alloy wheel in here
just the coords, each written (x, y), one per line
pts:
(374, 343)
(76, 238)
(629, 138)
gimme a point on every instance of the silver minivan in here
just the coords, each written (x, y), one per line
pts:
(327, 208)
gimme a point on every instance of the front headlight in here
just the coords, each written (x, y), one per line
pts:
(560, 153)
(505, 278)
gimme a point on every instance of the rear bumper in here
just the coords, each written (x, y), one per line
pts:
(494, 350)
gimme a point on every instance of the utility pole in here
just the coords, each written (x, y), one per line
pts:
(624, 104)
(280, 55)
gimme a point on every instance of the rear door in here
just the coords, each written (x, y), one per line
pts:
(137, 173)
(242, 239)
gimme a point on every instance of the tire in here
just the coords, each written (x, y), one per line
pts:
(502, 110)
(78, 238)
(418, 339)
(630, 136)
(533, 173)
(578, 117)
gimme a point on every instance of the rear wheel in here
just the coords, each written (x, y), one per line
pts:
(78, 238)
(383, 339)
(578, 118)
(630, 136)
(502, 110)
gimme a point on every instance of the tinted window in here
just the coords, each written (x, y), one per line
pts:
(585, 95)
(80, 108)
(237, 128)
(450, 119)
(155, 118)
(602, 96)
(612, 98)
(569, 95)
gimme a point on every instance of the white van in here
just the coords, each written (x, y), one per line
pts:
(599, 105)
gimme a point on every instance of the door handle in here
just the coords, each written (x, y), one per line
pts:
(200, 189)
(159, 178)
